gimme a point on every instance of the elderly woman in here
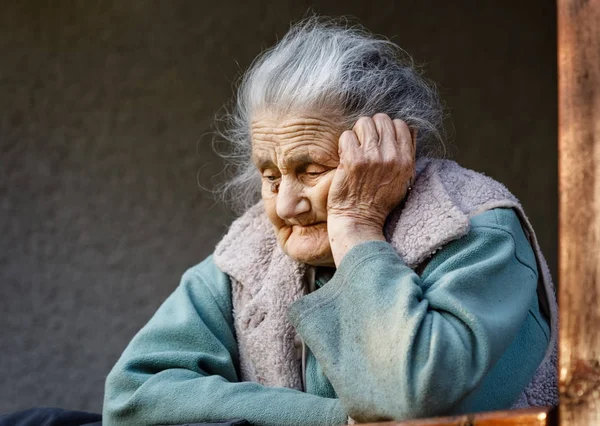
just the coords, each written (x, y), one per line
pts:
(371, 282)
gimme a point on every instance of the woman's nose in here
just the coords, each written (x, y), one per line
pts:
(291, 201)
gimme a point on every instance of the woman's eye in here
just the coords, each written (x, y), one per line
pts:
(270, 176)
(314, 171)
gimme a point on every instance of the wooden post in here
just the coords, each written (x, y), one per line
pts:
(579, 212)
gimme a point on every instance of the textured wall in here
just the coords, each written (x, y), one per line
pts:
(103, 110)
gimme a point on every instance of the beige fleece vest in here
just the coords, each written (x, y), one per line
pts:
(265, 281)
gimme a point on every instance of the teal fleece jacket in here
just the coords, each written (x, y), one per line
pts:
(465, 335)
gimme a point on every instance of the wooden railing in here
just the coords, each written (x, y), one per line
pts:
(544, 416)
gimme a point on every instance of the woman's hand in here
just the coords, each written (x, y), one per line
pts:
(377, 163)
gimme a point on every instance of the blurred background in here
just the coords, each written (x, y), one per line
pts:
(105, 110)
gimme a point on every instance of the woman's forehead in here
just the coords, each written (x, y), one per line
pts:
(272, 128)
(294, 140)
(298, 135)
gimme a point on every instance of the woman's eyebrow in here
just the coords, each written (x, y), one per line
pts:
(263, 162)
(299, 158)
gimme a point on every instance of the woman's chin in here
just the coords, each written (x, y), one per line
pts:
(310, 251)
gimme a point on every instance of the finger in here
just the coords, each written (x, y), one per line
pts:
(404, 139)
(348, 144)
(366, 131)
(387, 133)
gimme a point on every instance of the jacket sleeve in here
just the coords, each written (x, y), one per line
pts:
(181, 368)
(396, 345)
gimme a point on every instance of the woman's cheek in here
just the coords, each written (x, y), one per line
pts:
(322, 189)
(270, 204)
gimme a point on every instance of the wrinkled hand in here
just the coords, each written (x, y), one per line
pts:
(377, 163)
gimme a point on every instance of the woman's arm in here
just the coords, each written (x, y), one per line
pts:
(181, 368)
(395, 345)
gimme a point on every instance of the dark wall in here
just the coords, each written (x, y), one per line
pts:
(104, 108)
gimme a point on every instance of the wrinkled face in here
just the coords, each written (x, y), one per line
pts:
(297, 157)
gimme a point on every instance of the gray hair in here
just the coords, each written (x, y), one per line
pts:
(327, 66)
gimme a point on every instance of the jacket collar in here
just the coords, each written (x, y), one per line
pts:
(428, 219)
